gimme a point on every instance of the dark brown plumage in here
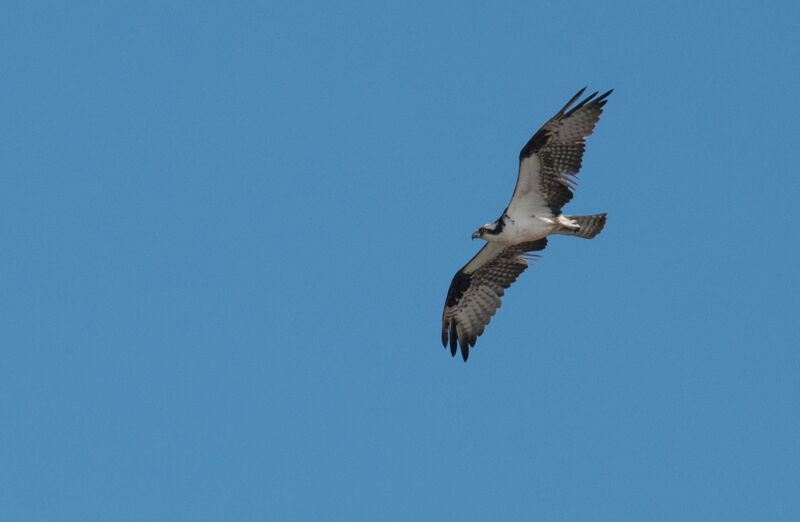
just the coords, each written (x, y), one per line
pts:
(474, 298)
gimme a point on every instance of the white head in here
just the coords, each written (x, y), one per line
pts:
(486, 230)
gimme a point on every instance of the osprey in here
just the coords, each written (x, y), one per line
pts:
(548, 166)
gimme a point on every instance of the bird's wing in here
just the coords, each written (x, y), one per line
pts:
(550, 161)
(476, 289)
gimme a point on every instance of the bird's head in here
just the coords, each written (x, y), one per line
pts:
(483, 230)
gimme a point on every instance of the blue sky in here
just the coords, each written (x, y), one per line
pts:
(228, 231)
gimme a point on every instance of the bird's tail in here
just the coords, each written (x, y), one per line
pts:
(588, 226)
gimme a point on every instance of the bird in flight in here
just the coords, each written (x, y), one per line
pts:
(548, 168)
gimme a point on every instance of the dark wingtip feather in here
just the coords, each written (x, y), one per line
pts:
(453, 339)
(602, 99)
(581, 104)
(577, 95)
(465, 351)
(570, 102)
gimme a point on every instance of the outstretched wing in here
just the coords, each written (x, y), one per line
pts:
(549, 162)
(474, 295)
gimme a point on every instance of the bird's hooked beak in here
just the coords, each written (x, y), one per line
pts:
(476, 234)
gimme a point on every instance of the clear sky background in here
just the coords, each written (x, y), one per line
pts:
(228, 231)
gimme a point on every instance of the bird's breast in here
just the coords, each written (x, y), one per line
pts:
(529, 229)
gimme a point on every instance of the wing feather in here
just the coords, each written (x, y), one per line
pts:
(550, 161)
(476, 289)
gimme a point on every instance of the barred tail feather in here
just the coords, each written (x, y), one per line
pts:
(588, 226)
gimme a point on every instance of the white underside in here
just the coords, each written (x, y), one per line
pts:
(528, 216)
(530, 229)
(521, 230)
